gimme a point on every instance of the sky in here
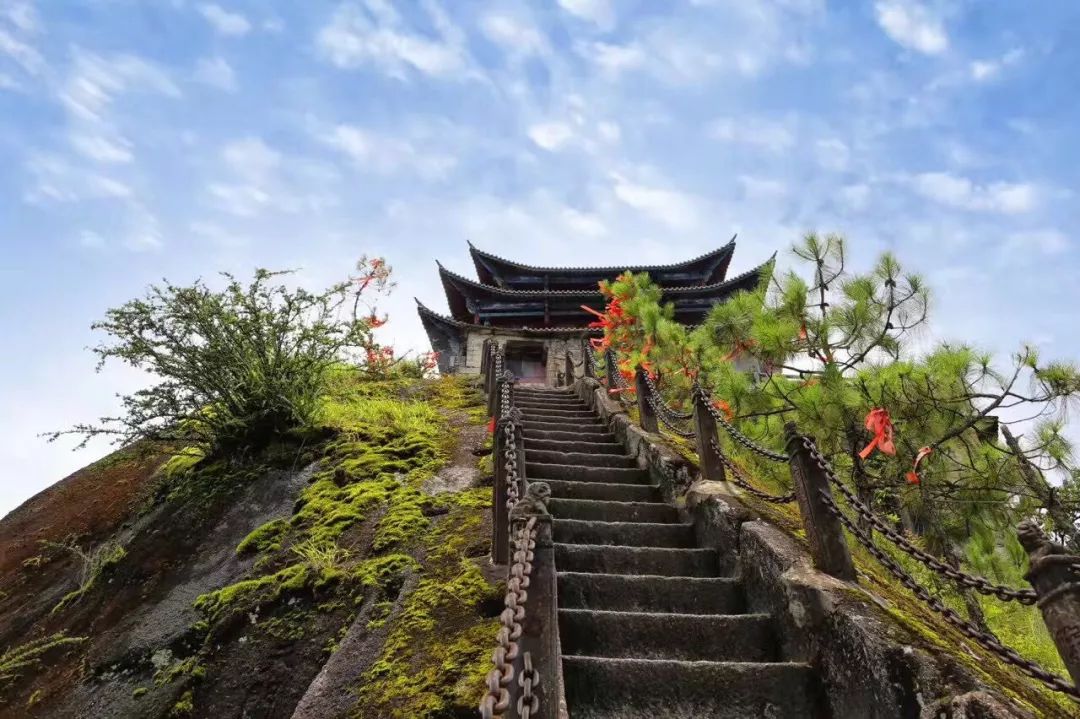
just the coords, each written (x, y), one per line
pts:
(176, 139)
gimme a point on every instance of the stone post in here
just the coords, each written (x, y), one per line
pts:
(824, 533)
(1055, 575)
(540, 636)
(704, 431)
(586, 365)
(568, 379)
(610, 370)
(645, 409)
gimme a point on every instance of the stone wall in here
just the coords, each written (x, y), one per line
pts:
(556, 349)
(870, 666)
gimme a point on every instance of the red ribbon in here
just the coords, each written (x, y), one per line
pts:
(879, 422)
(724, 407)
(913, 475)
(491, 426)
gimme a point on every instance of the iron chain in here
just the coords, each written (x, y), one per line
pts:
(675, 414)
(972, 581)
(987, 641)
(740, 480)
(737, 435)
(497, 699)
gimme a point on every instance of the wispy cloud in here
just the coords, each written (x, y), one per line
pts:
(674, 209)
(985, 70)
(771, 135)
(599, 12)
(1005, 198)
(216, 72)
(224, 21)
(101, 148)
(376, 34)
(382, 154)
(96, 80)
(517, 37)
(912, 25)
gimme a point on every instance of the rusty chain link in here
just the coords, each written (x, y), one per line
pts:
(736, 434)
(741, 481)
(672, 412)
(497, 699)
(528, 703)
(972, 581)
(987, 641)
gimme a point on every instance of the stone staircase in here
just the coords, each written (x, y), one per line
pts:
(648, 627)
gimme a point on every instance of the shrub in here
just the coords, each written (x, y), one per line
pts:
(235, 367)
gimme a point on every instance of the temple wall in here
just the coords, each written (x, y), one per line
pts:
(556, 350)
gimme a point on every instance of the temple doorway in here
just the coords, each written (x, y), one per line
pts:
(527, 360)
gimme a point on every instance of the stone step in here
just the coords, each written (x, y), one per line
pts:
(617, 492)
(554, 394)
(581, 473)
(650, 635)
(592, 509)
(591, 427)
(533, 403)
(566, 434)
(584, 459)
(608, 559)
(626, 534)
(559, 445)
(650, 593)
(552, 414)
(607, 688)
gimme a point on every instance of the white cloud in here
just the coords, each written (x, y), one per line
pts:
(91, 240)
(609, 131)
(599, 12)
(101, 148)
(758, 132)
(225, 22)
(1042, 242)
(216, 72)
(239, 199)
(613, 59)
(57, 180)
(516, 37)
(584, 224)
(22, 53)
(855, 196)
(388, 155)
(985, 70)
(251, 158)
(21, 15)
(95, 81)
(761, 188)
(832, 154)
(551, 135)
(1000, 197)
(912, 25)
(674, 209)
(376, 34)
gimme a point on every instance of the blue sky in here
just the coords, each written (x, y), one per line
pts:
(141, 140)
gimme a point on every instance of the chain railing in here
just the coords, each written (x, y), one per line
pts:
(1055, 576)
(740, 480)
(514, 681)
(501, 678)
(980, 584)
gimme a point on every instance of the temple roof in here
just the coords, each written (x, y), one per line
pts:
(433, 321)
(492, 270)
(473, 303)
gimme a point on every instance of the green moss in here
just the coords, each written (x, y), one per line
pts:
(385, 572)
(190, 667)
(264, 538)
(35, 698)
(404, 519)
(254, 592)
(185, 706)
(139, 691)
(95, 563)
(16, 661)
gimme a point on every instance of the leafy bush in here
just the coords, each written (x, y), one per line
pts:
(236, 367)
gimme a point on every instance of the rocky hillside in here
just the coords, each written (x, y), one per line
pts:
(339, 573)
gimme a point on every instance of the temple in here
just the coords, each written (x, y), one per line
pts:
(536, 312)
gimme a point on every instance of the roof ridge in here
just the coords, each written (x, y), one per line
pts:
(726, 248)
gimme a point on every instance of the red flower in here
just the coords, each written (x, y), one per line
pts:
(725, 408)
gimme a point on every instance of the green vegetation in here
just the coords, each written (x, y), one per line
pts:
(14, 662)
(239, 366)
(264, 538)
(831, 349)
(92, 565)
